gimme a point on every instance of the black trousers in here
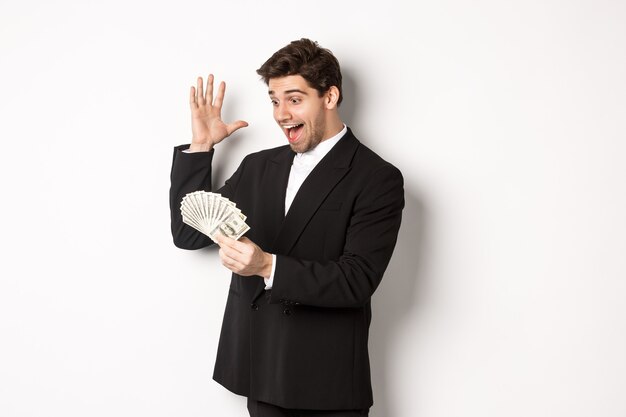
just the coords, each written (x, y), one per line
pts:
(261, 409)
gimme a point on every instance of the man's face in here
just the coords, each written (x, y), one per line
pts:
(299, 111)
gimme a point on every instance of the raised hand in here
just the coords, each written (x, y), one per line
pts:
(207, 126)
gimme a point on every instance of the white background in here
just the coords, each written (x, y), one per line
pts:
(505, 296)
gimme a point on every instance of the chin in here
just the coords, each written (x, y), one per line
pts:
(300, 146)
(297, 149)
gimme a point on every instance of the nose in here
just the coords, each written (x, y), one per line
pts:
(281, 113)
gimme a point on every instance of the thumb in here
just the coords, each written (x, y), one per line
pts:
(234, 126)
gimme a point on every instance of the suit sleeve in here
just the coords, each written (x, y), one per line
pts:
(192, 172)
(351, 280)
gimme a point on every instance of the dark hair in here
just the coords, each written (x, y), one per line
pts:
(317, 65)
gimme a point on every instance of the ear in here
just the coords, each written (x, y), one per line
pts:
(331, 97)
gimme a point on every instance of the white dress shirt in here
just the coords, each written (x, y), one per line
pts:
(303, 164)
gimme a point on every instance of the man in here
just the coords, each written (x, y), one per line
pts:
(324, 213)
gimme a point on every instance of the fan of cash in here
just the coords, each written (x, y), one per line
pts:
(210, 213)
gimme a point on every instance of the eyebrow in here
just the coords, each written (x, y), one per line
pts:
(295, 90)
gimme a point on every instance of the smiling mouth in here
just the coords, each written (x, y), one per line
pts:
(293, 131)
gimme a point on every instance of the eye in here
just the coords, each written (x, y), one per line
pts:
(295, 100)
(274, 102)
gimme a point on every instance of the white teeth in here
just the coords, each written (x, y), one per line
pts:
(291, 126)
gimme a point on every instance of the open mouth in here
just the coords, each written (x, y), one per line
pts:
(293, 131)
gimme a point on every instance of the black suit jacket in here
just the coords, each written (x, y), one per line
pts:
(302, 344)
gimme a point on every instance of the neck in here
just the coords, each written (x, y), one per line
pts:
(334, 126)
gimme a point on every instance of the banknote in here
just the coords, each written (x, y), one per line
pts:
(211, 213)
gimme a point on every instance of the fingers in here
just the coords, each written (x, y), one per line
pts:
(221, 239)
(230, 243)
(235, 260)
(239, 250)
(242, 257)
(219, 98)
(231, 254)
(203, 106)
(209, 89)
(192, 98)
(229, 262)
(200, 96)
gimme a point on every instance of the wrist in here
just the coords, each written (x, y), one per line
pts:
(200, 147)
(267, 268)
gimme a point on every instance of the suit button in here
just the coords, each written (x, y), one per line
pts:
(287, 312)
(254, 306)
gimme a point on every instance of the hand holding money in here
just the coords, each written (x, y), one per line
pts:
(244, 257)
(207, 126)
(221, 220)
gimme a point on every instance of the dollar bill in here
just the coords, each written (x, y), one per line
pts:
(211, 213)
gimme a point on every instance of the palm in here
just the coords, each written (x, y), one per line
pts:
(207, 125)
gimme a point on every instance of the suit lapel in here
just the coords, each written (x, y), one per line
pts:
(320, 182)
(273, 189)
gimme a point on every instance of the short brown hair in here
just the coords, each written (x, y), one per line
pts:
(304, 57)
